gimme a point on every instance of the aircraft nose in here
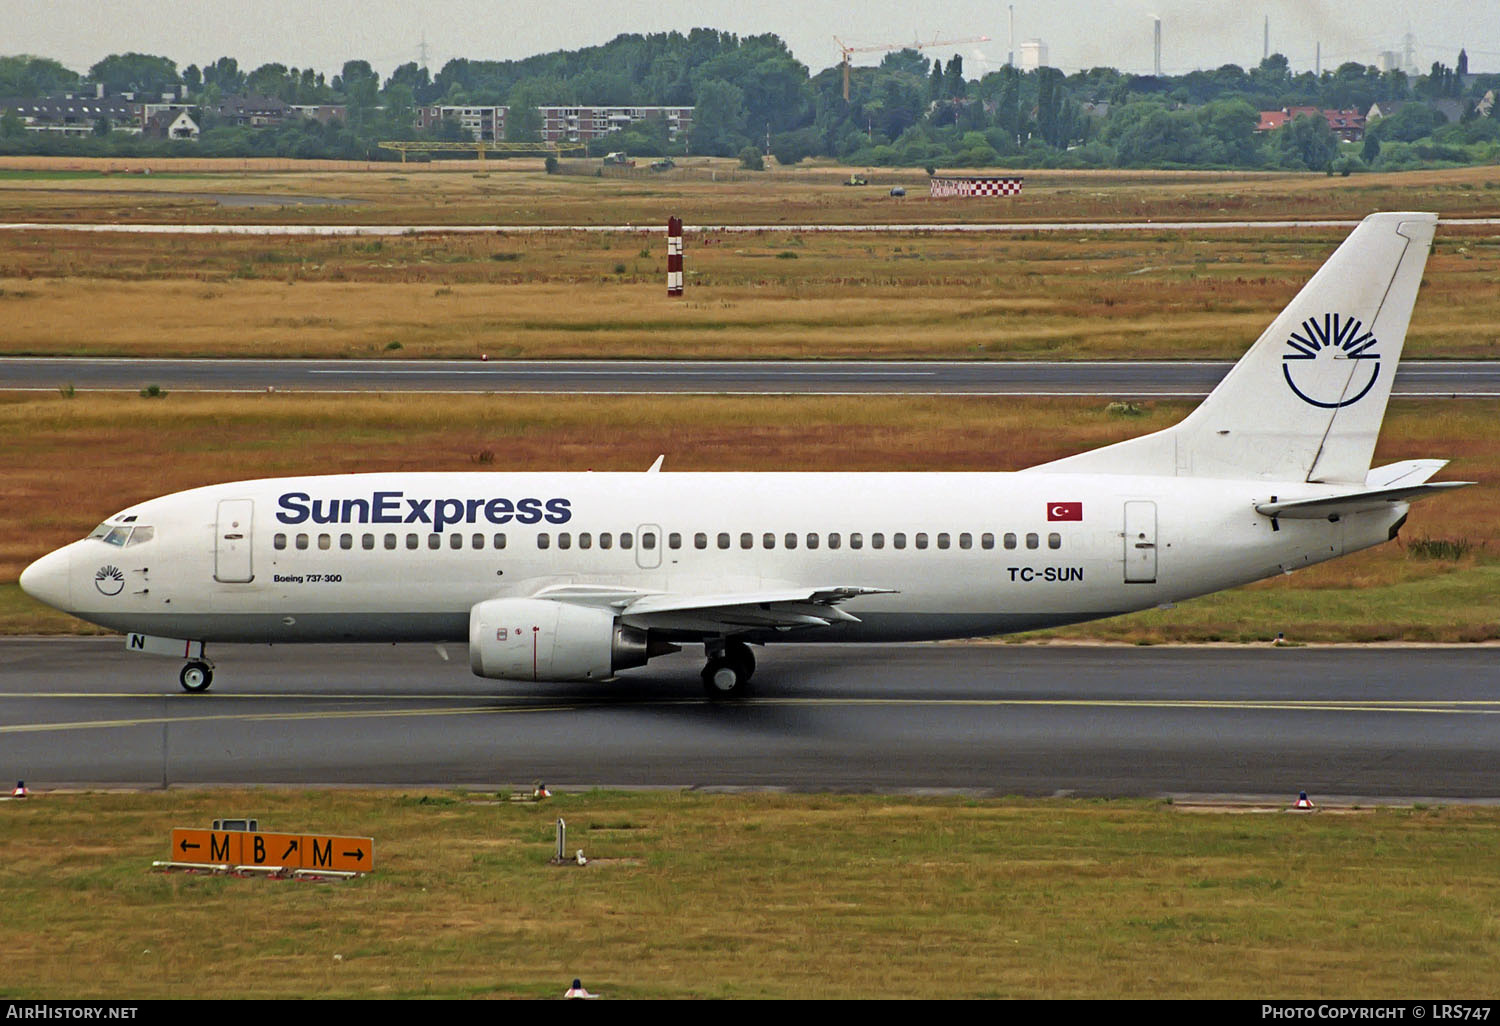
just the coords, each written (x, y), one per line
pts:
(50, 580)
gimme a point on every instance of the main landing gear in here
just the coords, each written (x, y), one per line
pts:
(730, 667)
(197, 675)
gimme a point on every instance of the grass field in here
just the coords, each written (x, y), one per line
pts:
(768, 896)
(120, 449)
(702, 191)
(1171, 295)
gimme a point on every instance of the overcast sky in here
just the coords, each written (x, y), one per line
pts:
(1078, 33)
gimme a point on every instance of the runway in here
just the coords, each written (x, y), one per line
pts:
(1343, 723)
(1119, 379)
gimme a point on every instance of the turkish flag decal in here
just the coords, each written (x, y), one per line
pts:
(1064, 511)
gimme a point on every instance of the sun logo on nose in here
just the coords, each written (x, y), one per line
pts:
(109, 580)
(1315, 368)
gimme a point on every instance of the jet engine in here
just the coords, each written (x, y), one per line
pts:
(541, 639)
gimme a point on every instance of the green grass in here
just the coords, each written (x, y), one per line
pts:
(691, 895)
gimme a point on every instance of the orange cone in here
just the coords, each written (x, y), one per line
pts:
(1303, 802)
(20, 791)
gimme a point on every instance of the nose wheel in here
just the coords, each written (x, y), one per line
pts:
(729, 670)
(197, 675)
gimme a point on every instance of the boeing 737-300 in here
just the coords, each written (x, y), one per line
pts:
(578, 576)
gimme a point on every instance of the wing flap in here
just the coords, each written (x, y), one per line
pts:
(781, 609)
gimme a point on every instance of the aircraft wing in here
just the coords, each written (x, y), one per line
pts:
(783, 609)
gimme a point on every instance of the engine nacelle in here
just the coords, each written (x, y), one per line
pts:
(539, 639)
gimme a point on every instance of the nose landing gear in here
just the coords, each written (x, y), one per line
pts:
(197, 675)
(730, 667)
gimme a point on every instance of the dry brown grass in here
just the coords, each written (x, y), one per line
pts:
(773, 294)
(115, 449)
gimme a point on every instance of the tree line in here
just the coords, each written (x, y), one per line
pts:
(752, 96)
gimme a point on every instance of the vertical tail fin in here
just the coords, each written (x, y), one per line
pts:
(1306, 401)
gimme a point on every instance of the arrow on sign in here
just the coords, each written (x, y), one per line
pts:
(355, 854)
(185, 846)
(289, 849)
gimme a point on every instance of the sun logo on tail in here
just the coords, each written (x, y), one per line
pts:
(1309, 367)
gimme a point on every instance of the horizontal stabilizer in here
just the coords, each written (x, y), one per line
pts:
(1354, 502)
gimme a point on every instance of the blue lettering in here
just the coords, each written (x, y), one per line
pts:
(418, 514)
(441, 513)
(350, 505)
(387, 507)
(292, 512)
(528, 511)
(447, 511)
(325, 511)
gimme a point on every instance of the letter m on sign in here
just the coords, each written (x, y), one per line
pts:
(322, 856)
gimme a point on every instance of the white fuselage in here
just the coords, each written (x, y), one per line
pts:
(404, 557)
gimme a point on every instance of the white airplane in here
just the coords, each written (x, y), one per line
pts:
(577, 576)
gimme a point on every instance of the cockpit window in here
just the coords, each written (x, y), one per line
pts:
(122, 534)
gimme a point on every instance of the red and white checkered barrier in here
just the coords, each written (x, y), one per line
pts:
(975, 185)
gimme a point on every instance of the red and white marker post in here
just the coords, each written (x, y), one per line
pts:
(674, 256)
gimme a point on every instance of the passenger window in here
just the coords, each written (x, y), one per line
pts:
(606, 540)
(367, 541)
(279, 542)
(966, 540)
(346, 541)
(790, 541)
(921, 540)
(564, 540)
(500, 540)
(625, 539)
(390, 541)
(648, 540)
(856, 541)
(1032, 541)
(434, 541)
(1054, 540)
(585, 540)
(833, 539)
(477, 542)
(301, 541)
(898, 540)
(723, 539)
(674, 540)
(1010, 540)
(768, 540)
(986, 541)
(455, 541)
(412, 541)
(877, 540)
(747, 540)
(543, 540)
(700, 540)
(943, 541)
(325, 541)
(812, 540)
